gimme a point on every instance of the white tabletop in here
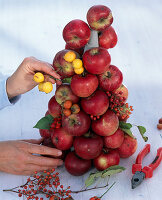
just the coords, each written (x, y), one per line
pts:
(34, 28)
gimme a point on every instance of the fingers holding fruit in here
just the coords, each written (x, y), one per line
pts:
(43, 86)
(41, 66)
(38, 77)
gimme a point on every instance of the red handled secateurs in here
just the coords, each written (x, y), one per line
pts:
(147, 172)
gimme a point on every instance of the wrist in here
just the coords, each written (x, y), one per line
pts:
(11, 91)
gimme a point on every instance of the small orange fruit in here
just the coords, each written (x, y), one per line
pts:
(38, 77)
(77, 63)
(67, 112)
(40, 87)
(67, 104)
(70, 56)
(75, 108)
(47, 87)
(79, 71)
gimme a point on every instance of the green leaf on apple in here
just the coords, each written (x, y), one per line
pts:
(128, 131)
(142, 131)
(112, 170)
(44, 123)
(125, 125)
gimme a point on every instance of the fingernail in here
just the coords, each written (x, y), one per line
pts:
(59, 153)
(59, 83)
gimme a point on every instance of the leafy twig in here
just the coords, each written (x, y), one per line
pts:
(87, 189)
(127, 126)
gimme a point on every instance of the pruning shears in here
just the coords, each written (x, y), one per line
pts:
(147, 172)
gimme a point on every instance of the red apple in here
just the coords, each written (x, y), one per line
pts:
(107, 159)
(128, 147)
(84, 86)
(96, 104)
(99, 17)
(75, 165)
(96, 60)
(122, 92)
(76, 33)
(45, 133)
(111, 79)
(106, 125)
(76, 124)
(64, 68)
(108, 38)
(88, 146)
(48, 142)
(54, 108)
(115, 140)
(64, 93)
(61, 139)
(80, 51)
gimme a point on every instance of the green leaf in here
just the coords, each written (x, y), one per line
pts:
(98, 174)
(142, 131)
(125, 125)
(44, 123)
(90, 180)
(67, 80)
(128, 131)
(102, 174)
(50, 118)
(112, 170)
(92, 177)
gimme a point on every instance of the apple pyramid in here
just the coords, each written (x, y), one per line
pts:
(86, 117)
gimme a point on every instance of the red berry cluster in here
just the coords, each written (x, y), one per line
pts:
(94, 198)
(94, 117)
(47, 183)
(118, 105)
(56, 122)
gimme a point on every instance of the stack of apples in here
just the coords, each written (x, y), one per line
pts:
(91, 101)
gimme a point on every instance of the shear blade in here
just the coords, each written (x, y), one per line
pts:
(137, 179)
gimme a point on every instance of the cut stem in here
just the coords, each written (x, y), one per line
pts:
(107, 190)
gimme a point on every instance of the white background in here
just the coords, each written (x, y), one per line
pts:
(34, 28)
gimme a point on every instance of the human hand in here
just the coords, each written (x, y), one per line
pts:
(22, 79)
(16, 157)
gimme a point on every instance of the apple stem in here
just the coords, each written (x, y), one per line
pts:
(109, 75)
(107, 190)
(105, 150)
(87, 134)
